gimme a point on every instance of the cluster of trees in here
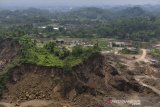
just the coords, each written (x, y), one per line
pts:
(71, 58)
(21, 17)
(132, 23)
(32, 54)
(129, 51)
(155, 53)
(137, 29)
(60, 52)
(78, 55)
(52, 54)
(77, 51)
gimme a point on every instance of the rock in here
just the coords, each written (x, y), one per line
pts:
(44, 96)
(57, 88)
(11, 101)
(27, 95)
(17, 104)
(72, 94)
(52, 76)
(31, 97)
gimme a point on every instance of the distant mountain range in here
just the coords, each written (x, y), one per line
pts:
(109, 13)
(66, 8)
(84, 13)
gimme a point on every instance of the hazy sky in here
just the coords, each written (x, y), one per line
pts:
(74, 2)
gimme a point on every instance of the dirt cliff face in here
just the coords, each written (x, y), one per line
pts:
(88, 83)
(9, 48)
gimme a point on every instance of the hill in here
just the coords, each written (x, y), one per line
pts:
(88, 83)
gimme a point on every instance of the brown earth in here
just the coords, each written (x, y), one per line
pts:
(8, 50)
(88, 84)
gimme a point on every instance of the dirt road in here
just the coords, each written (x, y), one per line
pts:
(143, 56)
(138, 79)
(139, 58)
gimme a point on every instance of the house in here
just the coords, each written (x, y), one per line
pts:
(120, 44)
(157, 46)
(43, 27)
(117, 44)
(56, 28)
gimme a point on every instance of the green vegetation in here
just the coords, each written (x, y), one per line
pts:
(52, 54)
(78, 55)
(155, 54)
(4, 78)
(103, 44)
(60, 52)
(39, 56)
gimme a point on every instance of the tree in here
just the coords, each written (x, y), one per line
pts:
(77, 50)
(50, 46)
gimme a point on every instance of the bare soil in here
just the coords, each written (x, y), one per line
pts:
(87, 85)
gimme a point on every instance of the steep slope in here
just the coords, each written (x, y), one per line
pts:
(9, 48)
(88, 84)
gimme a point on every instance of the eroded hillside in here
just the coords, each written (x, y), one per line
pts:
(92, 80)
(88, 84)
(8, 51)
